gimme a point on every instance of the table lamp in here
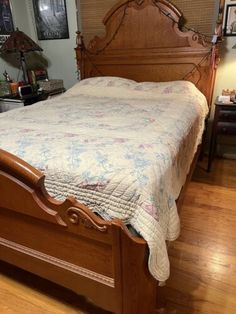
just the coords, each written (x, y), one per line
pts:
(19, 42)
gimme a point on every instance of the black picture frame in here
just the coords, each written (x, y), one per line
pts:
(230, 20)
(6, 20)
(51, 19)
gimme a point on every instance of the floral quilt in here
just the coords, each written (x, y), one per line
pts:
(122, 148)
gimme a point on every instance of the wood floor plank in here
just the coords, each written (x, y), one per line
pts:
(23, 293)
(210, 195)
(223, 173)
(23, 299)
(203, 259)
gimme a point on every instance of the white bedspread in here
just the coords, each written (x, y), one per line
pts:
(121, 147)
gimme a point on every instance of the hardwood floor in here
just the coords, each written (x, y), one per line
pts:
(24, 293)
(203, 259)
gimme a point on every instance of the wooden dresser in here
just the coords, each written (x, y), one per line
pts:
(224, 123)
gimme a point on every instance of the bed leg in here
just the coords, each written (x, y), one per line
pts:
(136, 288)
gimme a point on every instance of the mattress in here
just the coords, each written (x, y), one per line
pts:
(122, 148)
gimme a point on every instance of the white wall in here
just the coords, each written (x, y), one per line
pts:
(20, 20)
(59, 53)
(225, 79)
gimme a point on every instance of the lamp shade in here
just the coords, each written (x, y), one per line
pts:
(19, 42)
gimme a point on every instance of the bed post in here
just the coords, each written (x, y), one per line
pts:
(79, 50)
(136, 288)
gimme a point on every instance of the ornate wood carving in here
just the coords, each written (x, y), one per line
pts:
(144, 42)
(139, 2)
(15, 172)
(77, 217)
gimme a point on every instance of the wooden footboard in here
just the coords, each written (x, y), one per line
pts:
(66, 243)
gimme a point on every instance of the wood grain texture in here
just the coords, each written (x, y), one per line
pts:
(21, 292)
(93, 11)
(67, 244)
(143, 41)
(203, 259)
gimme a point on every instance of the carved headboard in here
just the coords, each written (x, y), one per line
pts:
(144, 42)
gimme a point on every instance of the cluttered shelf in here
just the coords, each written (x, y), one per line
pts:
(14, 95)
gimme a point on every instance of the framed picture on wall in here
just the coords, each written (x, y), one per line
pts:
(230, 20)
(6, 22)
(51, 19)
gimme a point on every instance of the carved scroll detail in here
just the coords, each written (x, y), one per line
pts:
(139, 2)
(77, 216)
(200, 39)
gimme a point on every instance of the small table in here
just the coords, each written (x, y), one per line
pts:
(54, 92)
(12, 102)
(224, 123)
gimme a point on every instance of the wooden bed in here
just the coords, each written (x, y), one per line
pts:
(65, 242)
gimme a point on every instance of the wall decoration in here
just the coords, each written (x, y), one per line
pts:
(51, 19)
(6, 22)
(230, 20)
